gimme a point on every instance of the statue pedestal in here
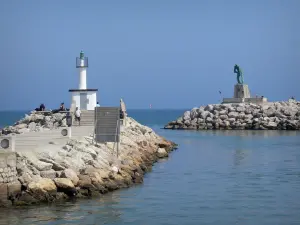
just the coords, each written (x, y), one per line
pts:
(241, 91)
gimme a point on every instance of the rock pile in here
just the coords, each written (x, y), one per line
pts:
(272, 116)
(81, 168)
(36, 122)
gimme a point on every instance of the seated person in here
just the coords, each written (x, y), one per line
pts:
(42, 107)
(97, 105)
(62, 107)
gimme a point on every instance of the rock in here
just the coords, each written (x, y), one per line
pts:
(187, 115)
(223, 117)
(42, 185)
(209, 119)
(272, 125)
(70, 174)
(58, 117)
(64, 123)
(32, 126)
(233, 115)
(194, 113)
(51, 174)
(21, 126)
(204, 114)
(223, 112)
(55, 166)
(240, 109)
(231, 120)
(64, 183)
(161, 153)
(209, 108)
(41, 166)
(14, 189)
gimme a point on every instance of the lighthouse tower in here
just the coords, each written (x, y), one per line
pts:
(83, 98)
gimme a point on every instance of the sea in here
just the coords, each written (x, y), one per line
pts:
(214, 178)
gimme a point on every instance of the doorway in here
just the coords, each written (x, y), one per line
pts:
(83, 101)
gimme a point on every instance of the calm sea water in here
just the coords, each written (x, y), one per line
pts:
(215, 177)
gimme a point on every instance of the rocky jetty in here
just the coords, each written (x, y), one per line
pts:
(267, 116)
(35, 122)
(80, 168)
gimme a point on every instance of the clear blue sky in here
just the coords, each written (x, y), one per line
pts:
(173, 54)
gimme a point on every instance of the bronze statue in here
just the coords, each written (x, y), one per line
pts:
(239, 74)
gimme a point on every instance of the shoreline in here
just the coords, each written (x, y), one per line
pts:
(78, 168)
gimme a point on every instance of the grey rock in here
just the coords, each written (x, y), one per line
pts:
(209, 119)
(48, 174)
(187, 115)
(231, 120)
(272, 125)
(32, 126)
(194, 113)
(223, 112)
(209, 108)
(233, 115)
(204, 114)
(240, 109)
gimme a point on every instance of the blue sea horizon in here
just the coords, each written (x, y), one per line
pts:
(148, 117)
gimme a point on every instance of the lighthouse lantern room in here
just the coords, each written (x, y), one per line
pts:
(83, 98)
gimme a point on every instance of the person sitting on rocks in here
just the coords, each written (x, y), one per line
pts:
(42, 107)
(62, 107)
(77, 115)
(97, 105)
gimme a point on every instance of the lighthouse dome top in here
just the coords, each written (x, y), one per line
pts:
(82, 61)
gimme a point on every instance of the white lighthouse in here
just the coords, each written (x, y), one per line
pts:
(83, 98)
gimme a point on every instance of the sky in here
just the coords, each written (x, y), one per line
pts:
(171, 54)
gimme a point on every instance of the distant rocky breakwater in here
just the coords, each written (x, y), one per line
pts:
(267, 116)
(79, 168)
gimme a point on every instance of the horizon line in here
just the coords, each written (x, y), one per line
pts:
(9, 110)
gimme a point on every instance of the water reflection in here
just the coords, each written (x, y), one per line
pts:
(263, 133)
(239, 156)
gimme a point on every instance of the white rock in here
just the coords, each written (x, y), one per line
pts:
(161, 153)
(233, 115)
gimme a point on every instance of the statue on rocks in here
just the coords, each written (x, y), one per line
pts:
(239, 74)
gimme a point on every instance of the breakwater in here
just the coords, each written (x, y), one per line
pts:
(267, 116)
(78, 168)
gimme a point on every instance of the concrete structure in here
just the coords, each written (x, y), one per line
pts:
(83, 98)
(242, 95)
(241, 91)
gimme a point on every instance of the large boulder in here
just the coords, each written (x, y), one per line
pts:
(233, 115)
(63, 183)
(42, 185)
(209, 108)
(70, 174)
(272, 125)
(240, 109)
(161, 153)
(187, 115)
(194, 113)
(204, 114)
